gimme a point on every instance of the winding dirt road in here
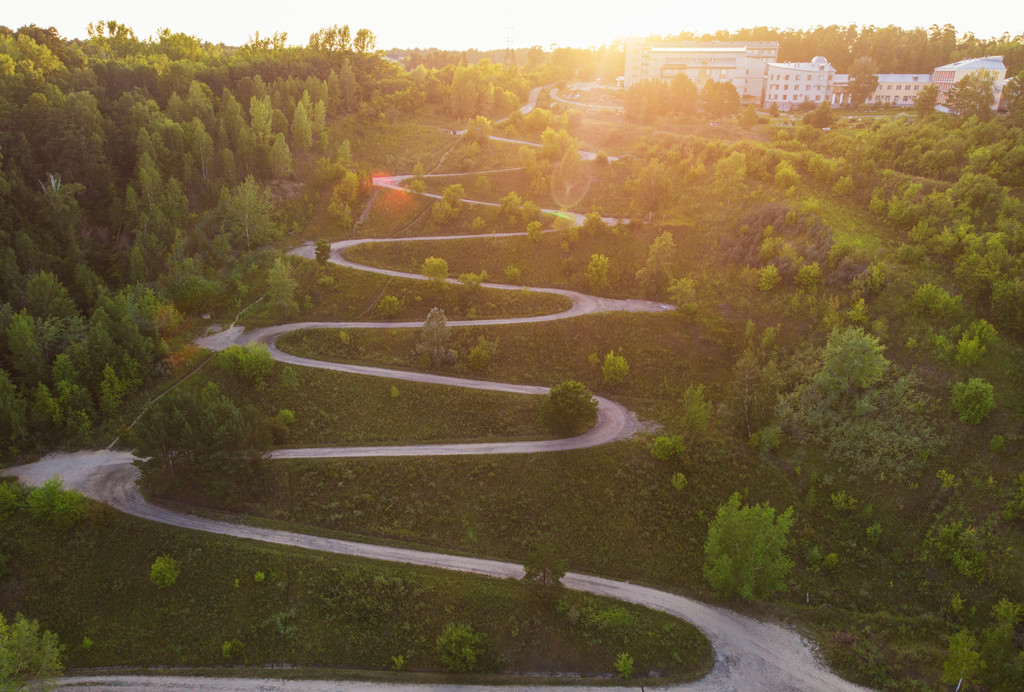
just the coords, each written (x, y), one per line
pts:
(749, 655)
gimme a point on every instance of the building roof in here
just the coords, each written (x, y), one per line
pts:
(698, 49)
(892, 78)
(989, 62)
(807, 66)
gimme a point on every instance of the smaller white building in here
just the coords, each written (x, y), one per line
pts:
(892, 89)
(790, 84)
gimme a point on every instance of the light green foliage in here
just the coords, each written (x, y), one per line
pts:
(435, 269)
(624, 665)
(615, 368)
(678, 480)
(874, 532)
(323, 251)
(842, 501)
(660, 267)
(389, 306)
(280, 296)
(934, 301)
(164, 571)
(683, 292)
(398, 662)
(513, 274)
(808, 277)
(785, 175)
(280, 424)
(960, 543)
(948, 479)
(831, 561)
(963, 662)
(232, 649)
(973, 400)
(534, 231)
(458, 647)
(973, 343)
(767, 439)
(280, 157)
(745, 550)
(259, 577)
(668, 448)
(252, 362)
(569, 408)
(731, 175)
(10, 500)
(597, 272)
(481, 354)
(472, 281)
(52, 503)
(29, 657)
(696, 410)
(768, 277)
(593, 223)
(996, 444)
(844, 186)
(851, 360)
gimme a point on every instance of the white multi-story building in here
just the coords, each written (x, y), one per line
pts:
(892, 89)
(742, 64)
(790, 84)
(946, 76)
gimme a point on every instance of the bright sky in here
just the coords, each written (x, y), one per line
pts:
(461, 24)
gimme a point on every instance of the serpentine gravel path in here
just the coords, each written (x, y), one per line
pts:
(749, 654)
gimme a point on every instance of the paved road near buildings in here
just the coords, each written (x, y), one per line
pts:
(749, 654)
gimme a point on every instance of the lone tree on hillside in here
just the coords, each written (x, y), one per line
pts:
(744, 553)
(544, 566)
(434, 338)
(569, 408)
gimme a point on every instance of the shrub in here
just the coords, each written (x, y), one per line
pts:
(232, 649)
(768, 277)
(164, 571)
(481, 354)
(615, 368)
(666, 448)
(458, 646)
(534, 231)
(874, 532)
(435, 269)
(684, 293)
(624, 665)
(678, 480)
(513, 274)
(64, 508)
(842, 501)
(995, 445)
(844, 186)
(786, 176)
(597, 272)
(10, 500)
(389, 306)
(569, 408)
(252, 362)
(973, 400)
(808, 277)
(744, 552)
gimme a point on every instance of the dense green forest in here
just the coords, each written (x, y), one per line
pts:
(847, 342)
